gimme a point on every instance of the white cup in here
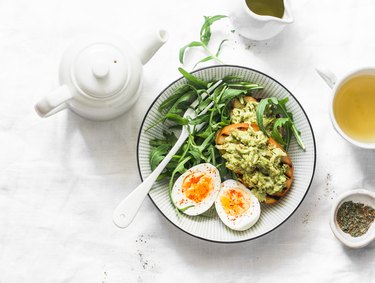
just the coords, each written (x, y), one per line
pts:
(335, 84)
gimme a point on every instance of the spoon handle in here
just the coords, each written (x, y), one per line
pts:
(128, 208)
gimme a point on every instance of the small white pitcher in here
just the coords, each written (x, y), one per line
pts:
(258, 27)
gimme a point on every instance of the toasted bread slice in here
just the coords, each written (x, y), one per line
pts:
(226, 131)
(270, 199)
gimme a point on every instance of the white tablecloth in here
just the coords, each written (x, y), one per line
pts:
(61, 177)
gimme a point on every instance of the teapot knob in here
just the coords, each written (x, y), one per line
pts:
(100, 69)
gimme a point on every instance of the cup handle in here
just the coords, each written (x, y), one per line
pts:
(53, 102)
(329, 77)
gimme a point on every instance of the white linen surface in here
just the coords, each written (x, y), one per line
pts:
(62, 177)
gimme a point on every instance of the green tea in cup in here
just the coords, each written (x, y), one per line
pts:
(354, 107)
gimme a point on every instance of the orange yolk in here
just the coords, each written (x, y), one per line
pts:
(234, 202)
(197, 186)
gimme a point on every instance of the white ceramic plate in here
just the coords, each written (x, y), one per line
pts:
(209, 227)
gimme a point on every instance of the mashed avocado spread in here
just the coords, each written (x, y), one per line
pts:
(252, 158)
(248, 115)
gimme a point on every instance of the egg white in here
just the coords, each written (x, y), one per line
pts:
(188, 206)
(248, 218)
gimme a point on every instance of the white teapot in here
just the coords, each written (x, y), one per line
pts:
(101, 77)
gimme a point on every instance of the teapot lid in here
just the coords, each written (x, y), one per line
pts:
(100, 70)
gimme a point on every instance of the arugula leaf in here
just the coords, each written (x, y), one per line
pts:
(183, 49)
(205, 36)
(220, 45)
(193, 80)
(179, 120)
(279, 124)
(205, 59)
(160, 148)
(231, 93)
(205, 143)
(169, 139)
(245, 85)
(261, 108)
(185, 99)
(157, 155)
(167, 103)
(278, 107)
(179, 169)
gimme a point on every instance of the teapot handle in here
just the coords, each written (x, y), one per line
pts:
(53, 102)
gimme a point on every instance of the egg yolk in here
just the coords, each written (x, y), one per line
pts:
(234, 202)
(197, 186)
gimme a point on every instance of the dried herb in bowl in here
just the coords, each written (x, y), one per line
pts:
(355, 218)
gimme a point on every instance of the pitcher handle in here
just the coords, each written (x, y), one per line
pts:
(53, 102)
(329, 77)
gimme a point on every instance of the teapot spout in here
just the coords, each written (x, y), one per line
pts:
(151, 44)
(53, 102)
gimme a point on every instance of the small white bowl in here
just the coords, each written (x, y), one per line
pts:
(362, 196)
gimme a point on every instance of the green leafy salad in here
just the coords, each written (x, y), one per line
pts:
(200, 147)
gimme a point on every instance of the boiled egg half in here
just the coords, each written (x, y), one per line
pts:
(195, 191)
(236, 206)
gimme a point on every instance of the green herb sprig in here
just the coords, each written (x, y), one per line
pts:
(284, 126)
(205, 36)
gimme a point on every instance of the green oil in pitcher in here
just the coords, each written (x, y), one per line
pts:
(274, 8)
